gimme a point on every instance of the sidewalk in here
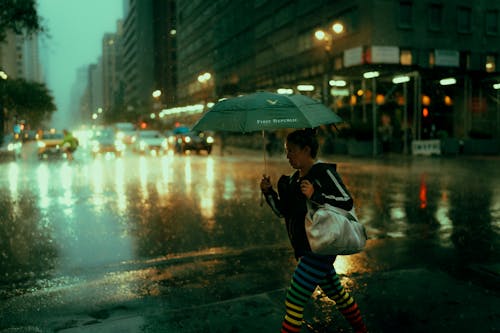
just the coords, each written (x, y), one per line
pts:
(413, 300)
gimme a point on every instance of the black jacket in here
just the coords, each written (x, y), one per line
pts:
(290, 203)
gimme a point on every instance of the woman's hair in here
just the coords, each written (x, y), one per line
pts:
(305, 138)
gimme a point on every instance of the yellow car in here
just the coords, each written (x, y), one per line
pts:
(49, 145)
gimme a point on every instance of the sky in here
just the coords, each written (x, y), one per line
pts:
(75, 31)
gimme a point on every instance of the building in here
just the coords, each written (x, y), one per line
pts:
(149, 59)
(267, 45)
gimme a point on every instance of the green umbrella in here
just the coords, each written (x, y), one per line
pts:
(266, 111)
(262, 111)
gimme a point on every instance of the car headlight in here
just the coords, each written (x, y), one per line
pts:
(187, 139)
(120, 135)
(10, 147)
(164, 144)
(41, 144)
(143, 145)
(210, 139)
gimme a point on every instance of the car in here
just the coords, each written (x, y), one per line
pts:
(10, 147)
(150, 142)
(104, 142)
(194, 141)
(125, 132)
(49, 145)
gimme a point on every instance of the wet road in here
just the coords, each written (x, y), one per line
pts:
(117, 229)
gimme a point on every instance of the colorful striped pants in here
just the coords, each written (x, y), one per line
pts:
(315, 271)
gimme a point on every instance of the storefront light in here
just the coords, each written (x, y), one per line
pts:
(496, 86)
(371, 75)
(305, 87)
(448, 81)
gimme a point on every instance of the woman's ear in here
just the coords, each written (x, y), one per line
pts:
(307, 149)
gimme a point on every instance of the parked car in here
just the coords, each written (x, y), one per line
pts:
(105, 142)
(49, 145)
(10, 147)
(150, 142)
(194, 141)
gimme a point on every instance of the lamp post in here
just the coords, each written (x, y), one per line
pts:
(204, 79)
(398, 80)
(496, 86)
(326, 38)
(3, 77)
(373, 75)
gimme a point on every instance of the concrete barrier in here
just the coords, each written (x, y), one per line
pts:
(426, 147)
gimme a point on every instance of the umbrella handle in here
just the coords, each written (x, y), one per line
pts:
(264, 151)
(265, 163)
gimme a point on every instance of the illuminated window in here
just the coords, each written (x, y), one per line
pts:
(432, 59)
(490, 63)
(405, 58)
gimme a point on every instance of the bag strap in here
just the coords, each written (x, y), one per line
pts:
(350, 215)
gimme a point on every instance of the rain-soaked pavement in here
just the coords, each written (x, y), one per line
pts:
(181, 244)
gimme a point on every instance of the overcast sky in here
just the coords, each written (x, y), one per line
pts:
(76, 28)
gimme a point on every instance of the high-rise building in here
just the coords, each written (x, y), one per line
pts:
(149, 62)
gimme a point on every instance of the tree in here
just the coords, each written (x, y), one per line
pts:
(20, 16)
(28, 101)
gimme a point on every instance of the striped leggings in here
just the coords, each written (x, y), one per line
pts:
(315, 271)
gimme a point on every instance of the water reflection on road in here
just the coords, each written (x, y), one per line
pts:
(58, 217)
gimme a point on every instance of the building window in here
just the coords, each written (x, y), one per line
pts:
(490, 63)
(405, 58)
(405, 19)
(435, 17)
(492, 22)
(464, 20)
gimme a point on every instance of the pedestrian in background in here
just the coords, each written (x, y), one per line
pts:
(290, 202)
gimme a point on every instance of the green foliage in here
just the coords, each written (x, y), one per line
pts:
(30, 101)
(19, 16)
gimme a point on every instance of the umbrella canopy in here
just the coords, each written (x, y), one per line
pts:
(266, 111)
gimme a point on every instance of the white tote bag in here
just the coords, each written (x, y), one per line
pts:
(334, 231)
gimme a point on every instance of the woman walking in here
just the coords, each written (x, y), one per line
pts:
(290, 202)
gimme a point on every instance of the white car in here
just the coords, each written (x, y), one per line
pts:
(150, 142)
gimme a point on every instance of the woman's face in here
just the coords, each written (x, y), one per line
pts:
(297, 156)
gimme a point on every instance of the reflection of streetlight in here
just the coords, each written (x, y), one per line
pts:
(326, 37)
(373, 75)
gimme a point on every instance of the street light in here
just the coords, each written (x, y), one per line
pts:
(373, 75)
(3, 77)
(204, 79)
(326, 37)
(398, 80)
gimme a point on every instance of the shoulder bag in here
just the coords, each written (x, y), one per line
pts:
(334, 231)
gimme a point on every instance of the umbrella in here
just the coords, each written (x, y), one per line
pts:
(262, 111)
(266, 111)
